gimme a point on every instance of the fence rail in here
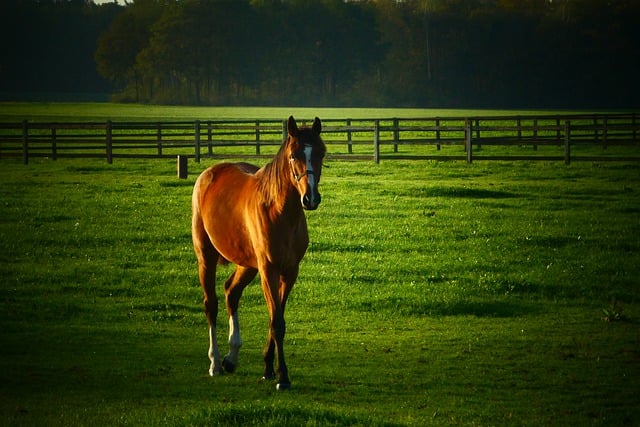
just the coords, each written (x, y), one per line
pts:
(599, 137)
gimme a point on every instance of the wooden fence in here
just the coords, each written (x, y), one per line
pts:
(595, 137)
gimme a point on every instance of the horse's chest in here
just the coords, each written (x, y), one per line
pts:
(283, 243)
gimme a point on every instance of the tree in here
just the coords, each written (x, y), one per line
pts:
(126, 37)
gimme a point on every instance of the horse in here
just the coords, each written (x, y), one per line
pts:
(254, 218)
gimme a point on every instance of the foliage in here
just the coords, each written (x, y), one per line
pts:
(614, 313)
(431, 294)
(445, 53)
(48, 47)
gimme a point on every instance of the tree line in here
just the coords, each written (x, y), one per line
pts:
(429, 53)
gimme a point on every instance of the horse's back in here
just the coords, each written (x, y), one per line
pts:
(226, 176)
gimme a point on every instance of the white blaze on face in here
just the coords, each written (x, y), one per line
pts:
(311, 177)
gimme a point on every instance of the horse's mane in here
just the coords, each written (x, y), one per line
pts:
(272, 178)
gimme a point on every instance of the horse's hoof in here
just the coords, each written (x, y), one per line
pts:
(283, 386)
(215, 372)
(269, 377)
(228, 365)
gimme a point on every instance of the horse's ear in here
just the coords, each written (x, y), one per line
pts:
(292, 127)
(317, 126)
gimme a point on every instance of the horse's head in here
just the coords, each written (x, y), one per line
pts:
(306, 151)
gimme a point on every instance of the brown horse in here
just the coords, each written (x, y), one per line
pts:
(254, 218)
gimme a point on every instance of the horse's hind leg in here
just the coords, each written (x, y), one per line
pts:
(207, 261)
(207, 270)
(233, 287)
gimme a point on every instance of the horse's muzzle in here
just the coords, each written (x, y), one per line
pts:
(311, 203)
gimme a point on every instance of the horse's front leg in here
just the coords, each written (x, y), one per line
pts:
(276, 290)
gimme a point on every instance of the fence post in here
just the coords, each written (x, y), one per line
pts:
(159, 139)
(25, 142)
(376, 141)
(567, 142)
(209, 139)
(109, 135)
(197, 140)
(438, 134)
(349, 142)
(396, 134)
(284, 131)
(257, 137)
(467, 140)
(54, 144)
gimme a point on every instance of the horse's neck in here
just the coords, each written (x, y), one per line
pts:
(275, 185)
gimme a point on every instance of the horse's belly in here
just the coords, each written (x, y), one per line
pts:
(231, 240)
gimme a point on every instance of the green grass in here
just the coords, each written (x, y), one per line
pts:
(59, 111)
(432, 293)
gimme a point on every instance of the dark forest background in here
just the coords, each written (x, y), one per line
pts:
(427, 53)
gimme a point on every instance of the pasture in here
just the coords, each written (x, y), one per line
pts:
(432, 293)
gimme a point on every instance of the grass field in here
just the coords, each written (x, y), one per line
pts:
(44, 111)
(433, 293)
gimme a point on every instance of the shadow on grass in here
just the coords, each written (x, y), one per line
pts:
(492, 309)
(291, 415)
(468, 193)
(489, 309)
(454, 192)
(176, 183)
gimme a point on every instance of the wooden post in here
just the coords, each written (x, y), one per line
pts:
(376, 141)
(54, 144)
(209, 139)
(567, 143)
(183, 172)
(284, 131)
(197, 140)
(438, 134)
(467, 140)
(349, 142)
(109, 132)
(159, 139)
(257, 137)
(396, 134)
(25, 142)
